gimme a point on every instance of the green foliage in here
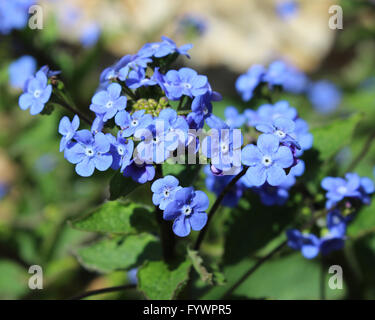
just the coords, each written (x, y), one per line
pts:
(329, 139)
(117, 217)
(197, 263)
(158, 280)
(13, 280)
(121, 186)
(109, 255)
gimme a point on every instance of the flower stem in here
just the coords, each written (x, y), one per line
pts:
(216, 205)
(101, 291)
(361, 155)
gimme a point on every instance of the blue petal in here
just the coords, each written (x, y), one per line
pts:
(85, 168)
(251, 155)
(103, 162)
(181, 226)
(256, 175)
(268, 144)
(200, 201)
(283, 157)
(275, 175)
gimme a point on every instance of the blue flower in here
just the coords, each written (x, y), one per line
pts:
(130, 123)
(163, 48)
(90, 35)
(308, 243)
(287, 9)
(140, 173)
(247, 83)
(135, 63)
(282, 128)
(185, 81)
(121, 151)
(20, 70)
(192, 22)
(201, 108)
(68, 130)
(324, 96)
(137, 79)
(108, 102)
(233, 118)
(98, 123)
(304, 137)
(223, 147)
(156, 144)
(339, 188)
(269, 113)
(164, 190)
(188, 210)
(366, 189)
(267, 161)
(3, 190)
(89, 152)
(176, 128)
(37, 93)
(14, 14)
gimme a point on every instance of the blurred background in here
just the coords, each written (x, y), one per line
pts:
(39, 190)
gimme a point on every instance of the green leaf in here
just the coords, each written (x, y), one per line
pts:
(197, 263)
(287, 277)
(329, 139)
(363, 222)
(109, 255)
(185, 174)
(160, 281)
(13, 280)
(121, 186)
(117, 217)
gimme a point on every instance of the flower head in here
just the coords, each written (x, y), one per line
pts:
(108, 102)
(247, 83)
(267, 161)
(20, 70)
(164, 190)
(36, 94)
(89, 152)
(121, 151)
(129, 123)
(324, 96)
(188, 210)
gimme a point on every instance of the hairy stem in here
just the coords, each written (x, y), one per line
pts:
(216, 205)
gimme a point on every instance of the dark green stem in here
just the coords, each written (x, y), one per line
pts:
(216, 205)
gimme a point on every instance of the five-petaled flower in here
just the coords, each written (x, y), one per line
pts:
(266, 161)
(188, 210)
(108, 102)
(37, 93)
(164, 190)
(89, 152)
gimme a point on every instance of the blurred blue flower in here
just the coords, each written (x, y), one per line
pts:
(324, 96)
(163, 48)
(46, 163)
(192, 22)
(90, 35)
(188, 210)
(20, 70)
(233, 118)
(14, 14)
(287, 9)
(247, 83)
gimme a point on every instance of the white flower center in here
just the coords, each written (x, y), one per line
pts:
(186, 210)
(156, 140)
(120, 150)
(342, 190)
(109, 104)
(224, 147)
(37, 93)
(166, 193)
(267, 161)
(187, 85)
(155, 46)
(89, 151)
(205, 111)
(134, 122)
(280, 134)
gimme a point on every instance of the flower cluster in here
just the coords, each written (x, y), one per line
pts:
(323, 95)
(351, 188)
(185, 206)
(149, 129)
(351, 191)
(333, 238)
